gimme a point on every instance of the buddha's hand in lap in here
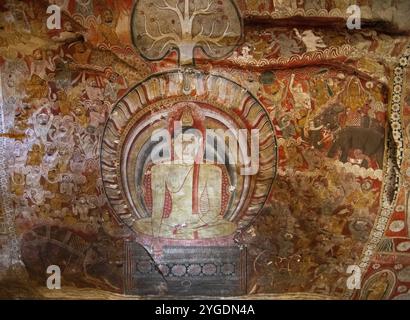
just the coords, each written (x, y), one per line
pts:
(210, 219)
(183, 222)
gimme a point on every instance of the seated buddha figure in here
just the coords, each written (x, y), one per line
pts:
(195, 192)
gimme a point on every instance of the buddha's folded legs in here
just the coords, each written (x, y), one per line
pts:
(218, 228)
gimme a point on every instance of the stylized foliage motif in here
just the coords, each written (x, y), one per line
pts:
(161, 25)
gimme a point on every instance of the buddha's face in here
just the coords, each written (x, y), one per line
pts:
(186, 147)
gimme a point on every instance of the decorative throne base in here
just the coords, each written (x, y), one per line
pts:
(186, 271)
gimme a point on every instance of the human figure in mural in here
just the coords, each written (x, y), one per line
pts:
(35, 156)
(108, 26)
(310, 40)
(301, 97)
(82, 52)
(42, 124)
(62, 74)
(21, 13)
(113, 86)
(36, 88)
(314, 134)
(82, 208)
(186, 195)
(17, 184)
(286, 127)
(272, 90)
(379, 288)
(68, 35)
(39, 64)
(354, 96)
(282, 45)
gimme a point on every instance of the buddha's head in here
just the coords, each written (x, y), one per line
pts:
(187, 146)
(187, 126)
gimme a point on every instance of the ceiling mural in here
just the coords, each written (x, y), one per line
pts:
(203, 147)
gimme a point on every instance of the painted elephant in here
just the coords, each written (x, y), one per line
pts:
(330, 117)
(368, 140)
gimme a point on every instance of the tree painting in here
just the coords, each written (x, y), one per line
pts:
(159, 26)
